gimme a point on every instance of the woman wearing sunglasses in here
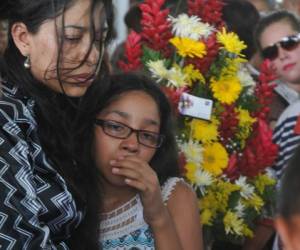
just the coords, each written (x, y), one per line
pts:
(278, 40)
(277, 37)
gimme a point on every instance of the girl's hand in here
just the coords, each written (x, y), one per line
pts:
(139, 175)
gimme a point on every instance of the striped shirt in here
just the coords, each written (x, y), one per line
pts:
(286, 137)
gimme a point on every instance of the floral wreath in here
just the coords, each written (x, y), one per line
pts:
(224, 140)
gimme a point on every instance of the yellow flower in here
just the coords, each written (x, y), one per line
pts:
(231, 42)
(215, 158)
(255, 201)
(191, 168)
(226, 90)
(245, 124)
(176, 77)
(188, 47)
(193, 74)
(206, 217)
(262, 181)
(233, 224)
(204, 131)
(245, 119)
(247, 232)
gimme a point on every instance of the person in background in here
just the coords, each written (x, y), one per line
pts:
(292, 6)
(133, 144)
(234, 12)
(53, 57)
(3, 36)
(287, 221)
(277, 40)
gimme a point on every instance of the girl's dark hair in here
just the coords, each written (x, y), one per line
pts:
(55, 112)
(165, 160)
(275, 17)
(289, 195)
(234, 14)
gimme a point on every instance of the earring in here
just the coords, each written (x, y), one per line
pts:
(27, 63)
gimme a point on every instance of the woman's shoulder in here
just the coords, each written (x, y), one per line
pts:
(13, 106)
(176, 188)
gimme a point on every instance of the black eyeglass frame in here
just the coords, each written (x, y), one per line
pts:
(101, 123)
(271, 52)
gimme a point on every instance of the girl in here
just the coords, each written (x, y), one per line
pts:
(53, 55)
(145, 204)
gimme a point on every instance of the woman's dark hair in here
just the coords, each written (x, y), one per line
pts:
(241, 17)
(55, 112)
(165, 160)
(275, 17)
(289, 194)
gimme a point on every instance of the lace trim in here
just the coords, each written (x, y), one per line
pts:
(123, 220)
(129, 217)
(168, 188)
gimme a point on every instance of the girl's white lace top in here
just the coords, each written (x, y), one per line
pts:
(124, 228)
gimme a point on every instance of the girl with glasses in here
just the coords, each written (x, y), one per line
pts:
(53, 57)
(129, 136)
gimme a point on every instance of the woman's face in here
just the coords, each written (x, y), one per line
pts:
(137, 110)
(287, 63)
(76, 39)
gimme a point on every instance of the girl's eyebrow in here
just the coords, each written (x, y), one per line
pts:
(126, 115)
(75, 27)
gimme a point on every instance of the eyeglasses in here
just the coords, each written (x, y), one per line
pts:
(287, 43)
(122, 131)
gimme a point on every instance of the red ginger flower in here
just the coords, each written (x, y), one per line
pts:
(264, 90)
(156, 29)
(260, 151)
(228, 123)
(133, 53)
(209, 11)
(173, 95)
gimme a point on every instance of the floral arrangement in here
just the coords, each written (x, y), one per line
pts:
(225, 157)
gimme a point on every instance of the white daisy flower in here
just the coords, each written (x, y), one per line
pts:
(203, 179)
(176, 77)
(246, 80)
(240, 209)
(247, 190)
(190, 27)
(192, 151)
(158, 70)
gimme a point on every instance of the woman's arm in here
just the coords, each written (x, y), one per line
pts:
(183, 207)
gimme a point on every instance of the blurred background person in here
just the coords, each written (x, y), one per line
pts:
(287, 221)
(3, 36)
(234, 13)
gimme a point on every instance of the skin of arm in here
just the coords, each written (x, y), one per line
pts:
(175, 226)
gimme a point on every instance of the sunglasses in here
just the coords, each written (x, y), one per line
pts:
(287, 43)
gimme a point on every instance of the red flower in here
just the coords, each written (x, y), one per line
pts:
(156, 29)
(264, 90)
(232, 171)
(228, 123)
(212, 49)
(133, 53)
(173, 95)
(260, 151)
(209, 11)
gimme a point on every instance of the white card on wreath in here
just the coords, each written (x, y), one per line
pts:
(195, 106)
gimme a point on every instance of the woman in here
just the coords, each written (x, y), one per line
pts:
(277, 40)
(53, 56)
